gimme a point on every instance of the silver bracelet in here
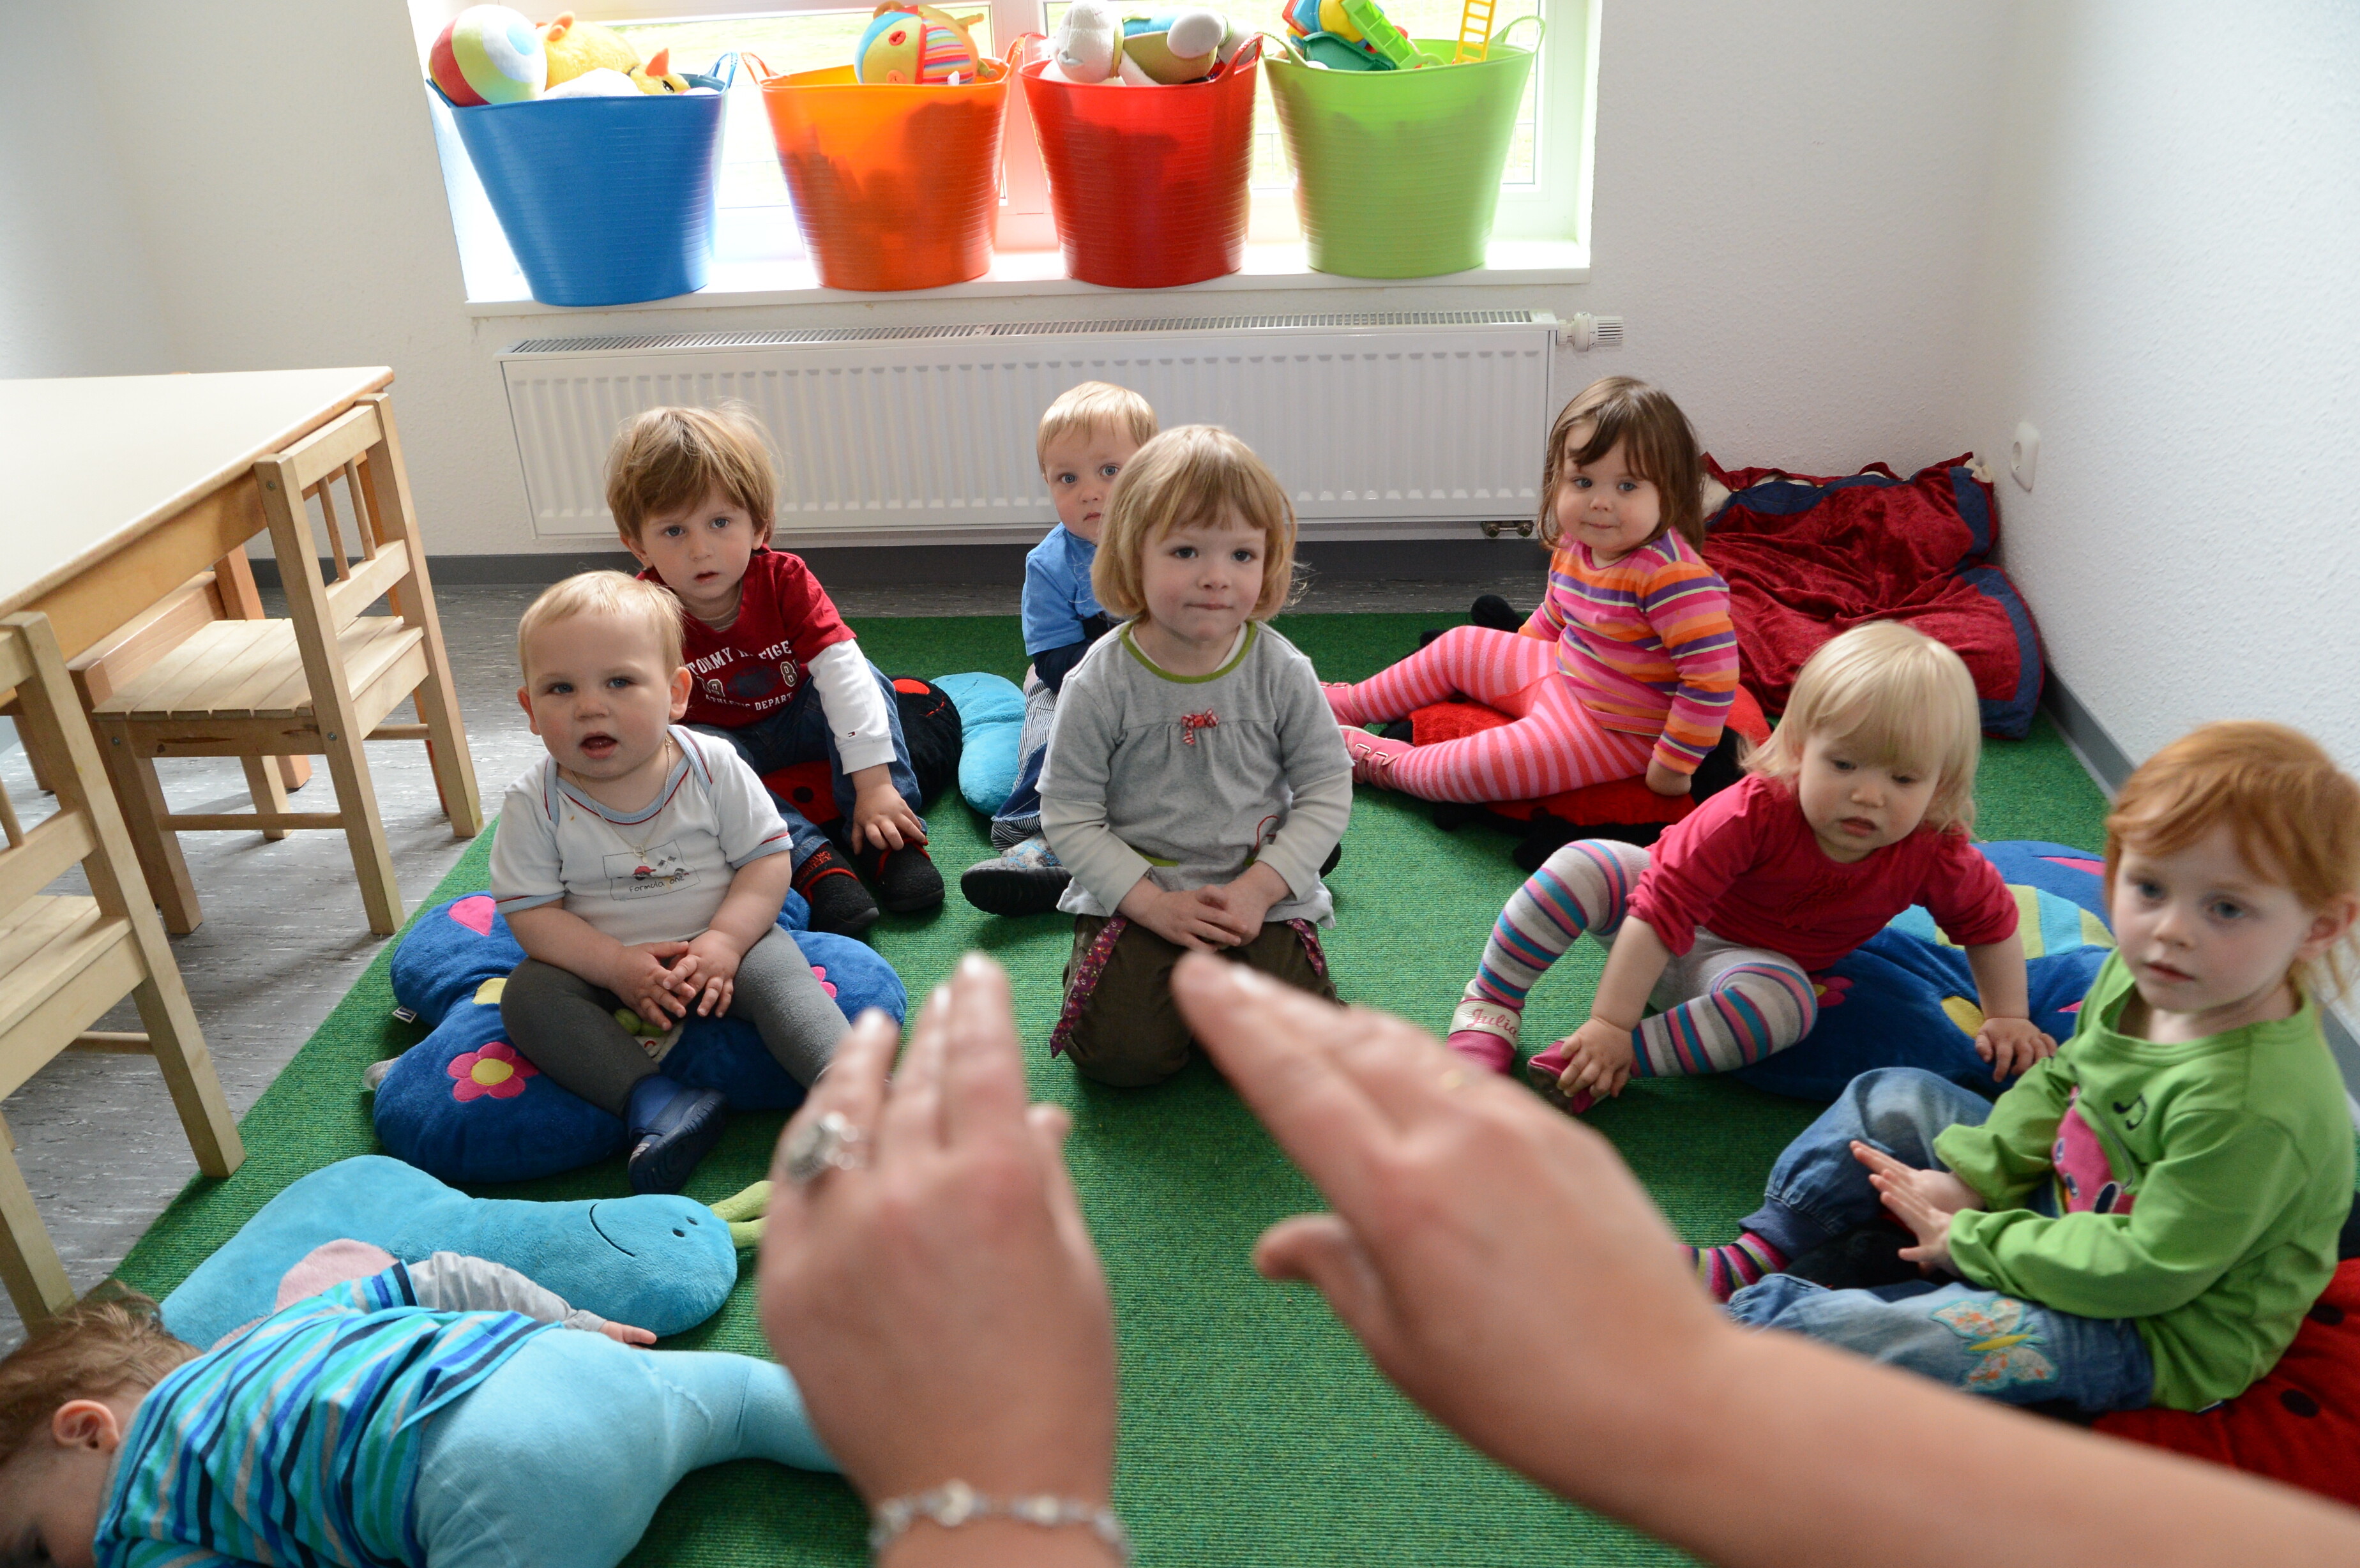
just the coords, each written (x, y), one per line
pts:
(954, 1503)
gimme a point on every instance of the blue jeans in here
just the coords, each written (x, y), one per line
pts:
(1019, 818)
(559, 1458)
(800, 733)
(1971, 1338)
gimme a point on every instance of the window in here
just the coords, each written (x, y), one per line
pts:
(1543, 191)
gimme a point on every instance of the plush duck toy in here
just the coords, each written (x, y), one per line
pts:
(575, 47)
(658, 76)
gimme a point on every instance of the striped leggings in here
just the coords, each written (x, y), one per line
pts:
(1555, 744)
(1725, 1007)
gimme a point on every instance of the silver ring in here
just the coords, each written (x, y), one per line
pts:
(830, 1142)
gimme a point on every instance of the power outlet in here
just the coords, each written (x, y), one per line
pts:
(2024, 454)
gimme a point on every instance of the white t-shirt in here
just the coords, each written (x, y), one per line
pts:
(654, 874)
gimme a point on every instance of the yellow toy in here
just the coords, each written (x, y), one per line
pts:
(658, 76)
(574, 46)
(1474, 32)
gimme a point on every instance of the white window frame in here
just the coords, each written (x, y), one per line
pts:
(1553, 209)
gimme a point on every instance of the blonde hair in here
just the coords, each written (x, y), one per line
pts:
(1093, 405)
(604, 594)
(1194, 474)
(1903, 699)
(667, 459)
(2293, 814)
(1662, 450)
(113, 1341)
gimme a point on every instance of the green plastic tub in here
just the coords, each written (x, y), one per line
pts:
(1397, 172)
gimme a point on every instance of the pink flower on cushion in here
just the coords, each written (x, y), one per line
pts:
(495, 1070)
(819, 973)
(1830, 988)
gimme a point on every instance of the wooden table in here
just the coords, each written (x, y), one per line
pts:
(121, 488)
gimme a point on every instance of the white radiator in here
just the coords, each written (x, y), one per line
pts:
(1401, 424)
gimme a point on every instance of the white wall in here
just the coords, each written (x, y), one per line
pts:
(76, 298)
(1788, 206)
(2168, 294)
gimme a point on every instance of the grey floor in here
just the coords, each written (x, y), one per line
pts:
(284, 937)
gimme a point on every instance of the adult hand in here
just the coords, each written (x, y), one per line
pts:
(1922, 1199)
(882, 819)
(2012, 1045)
(643, 979)
(941, 1306)
(1197, 920)
(1498, 1260)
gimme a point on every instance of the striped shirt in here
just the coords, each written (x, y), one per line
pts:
(1646, 643)
(298, 1441)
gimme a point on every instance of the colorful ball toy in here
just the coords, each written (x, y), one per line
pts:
(917, 46)
(489, 54)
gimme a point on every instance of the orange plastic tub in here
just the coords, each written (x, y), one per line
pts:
(895, 187)
(1148, 184)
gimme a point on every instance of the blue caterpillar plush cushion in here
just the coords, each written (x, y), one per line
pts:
(1905, 997)
(992, 718)
(465, 1106)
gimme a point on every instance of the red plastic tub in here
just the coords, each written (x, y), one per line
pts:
(1148, 184)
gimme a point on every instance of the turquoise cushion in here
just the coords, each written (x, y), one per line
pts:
(992, 719)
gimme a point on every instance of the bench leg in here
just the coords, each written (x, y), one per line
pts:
(30, 1265)
(188, 1067)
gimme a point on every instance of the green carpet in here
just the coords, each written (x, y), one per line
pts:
(1253, 1431)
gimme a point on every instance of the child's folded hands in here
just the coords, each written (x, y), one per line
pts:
(1922, 1199)
(706, 972)
(643, 977)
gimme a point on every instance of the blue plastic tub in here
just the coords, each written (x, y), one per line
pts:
(604, 201)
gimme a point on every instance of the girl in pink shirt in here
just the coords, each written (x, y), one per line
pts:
(1857, 808)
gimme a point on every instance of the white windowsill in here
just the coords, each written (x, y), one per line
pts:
(1042, 274)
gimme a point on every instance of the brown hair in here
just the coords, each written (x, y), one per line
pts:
(1900, 697)
(604, 594)
(1193, 475)
(1095, 406)
(112, 1342)
(1661, 450)
(667, 459)
(2293, 814)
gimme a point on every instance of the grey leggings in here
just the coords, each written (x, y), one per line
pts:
(565, 1026)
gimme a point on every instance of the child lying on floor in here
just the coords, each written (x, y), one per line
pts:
(387, 1420)
(2147, 1214)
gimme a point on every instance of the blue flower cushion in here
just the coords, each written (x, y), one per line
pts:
(1905, 997)
(991, 721)
(463, 1105)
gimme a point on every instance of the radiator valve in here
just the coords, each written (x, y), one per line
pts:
(1588, 331)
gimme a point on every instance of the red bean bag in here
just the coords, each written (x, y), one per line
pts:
(2299, 1425)
(1624, 800)
(1807, 558)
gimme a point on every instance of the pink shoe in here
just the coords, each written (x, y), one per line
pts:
(1372, 756)
(1340, 698)
(1543, 1072)
(1485, 1033)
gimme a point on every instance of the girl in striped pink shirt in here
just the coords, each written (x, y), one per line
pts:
(1625, 671)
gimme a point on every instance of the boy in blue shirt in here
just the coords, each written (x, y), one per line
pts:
(1087, 436)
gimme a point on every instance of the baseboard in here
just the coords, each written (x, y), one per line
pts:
(885, 565)
(2109, 766)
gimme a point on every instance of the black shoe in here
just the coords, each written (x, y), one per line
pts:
(676, 1135)
(1004, 886)
(905, 878)
(838, 902)
(1491, 610)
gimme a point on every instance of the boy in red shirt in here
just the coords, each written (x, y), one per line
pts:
(774, 669)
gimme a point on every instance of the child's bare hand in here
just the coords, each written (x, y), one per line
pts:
(1667, 781)
(2012, 1045)
(1196, 920)
(708, 973)
(624, 1333)
(1599, 1058)
(644, 979)
(1243, 904)
(883, 819)
(1922, 1199)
